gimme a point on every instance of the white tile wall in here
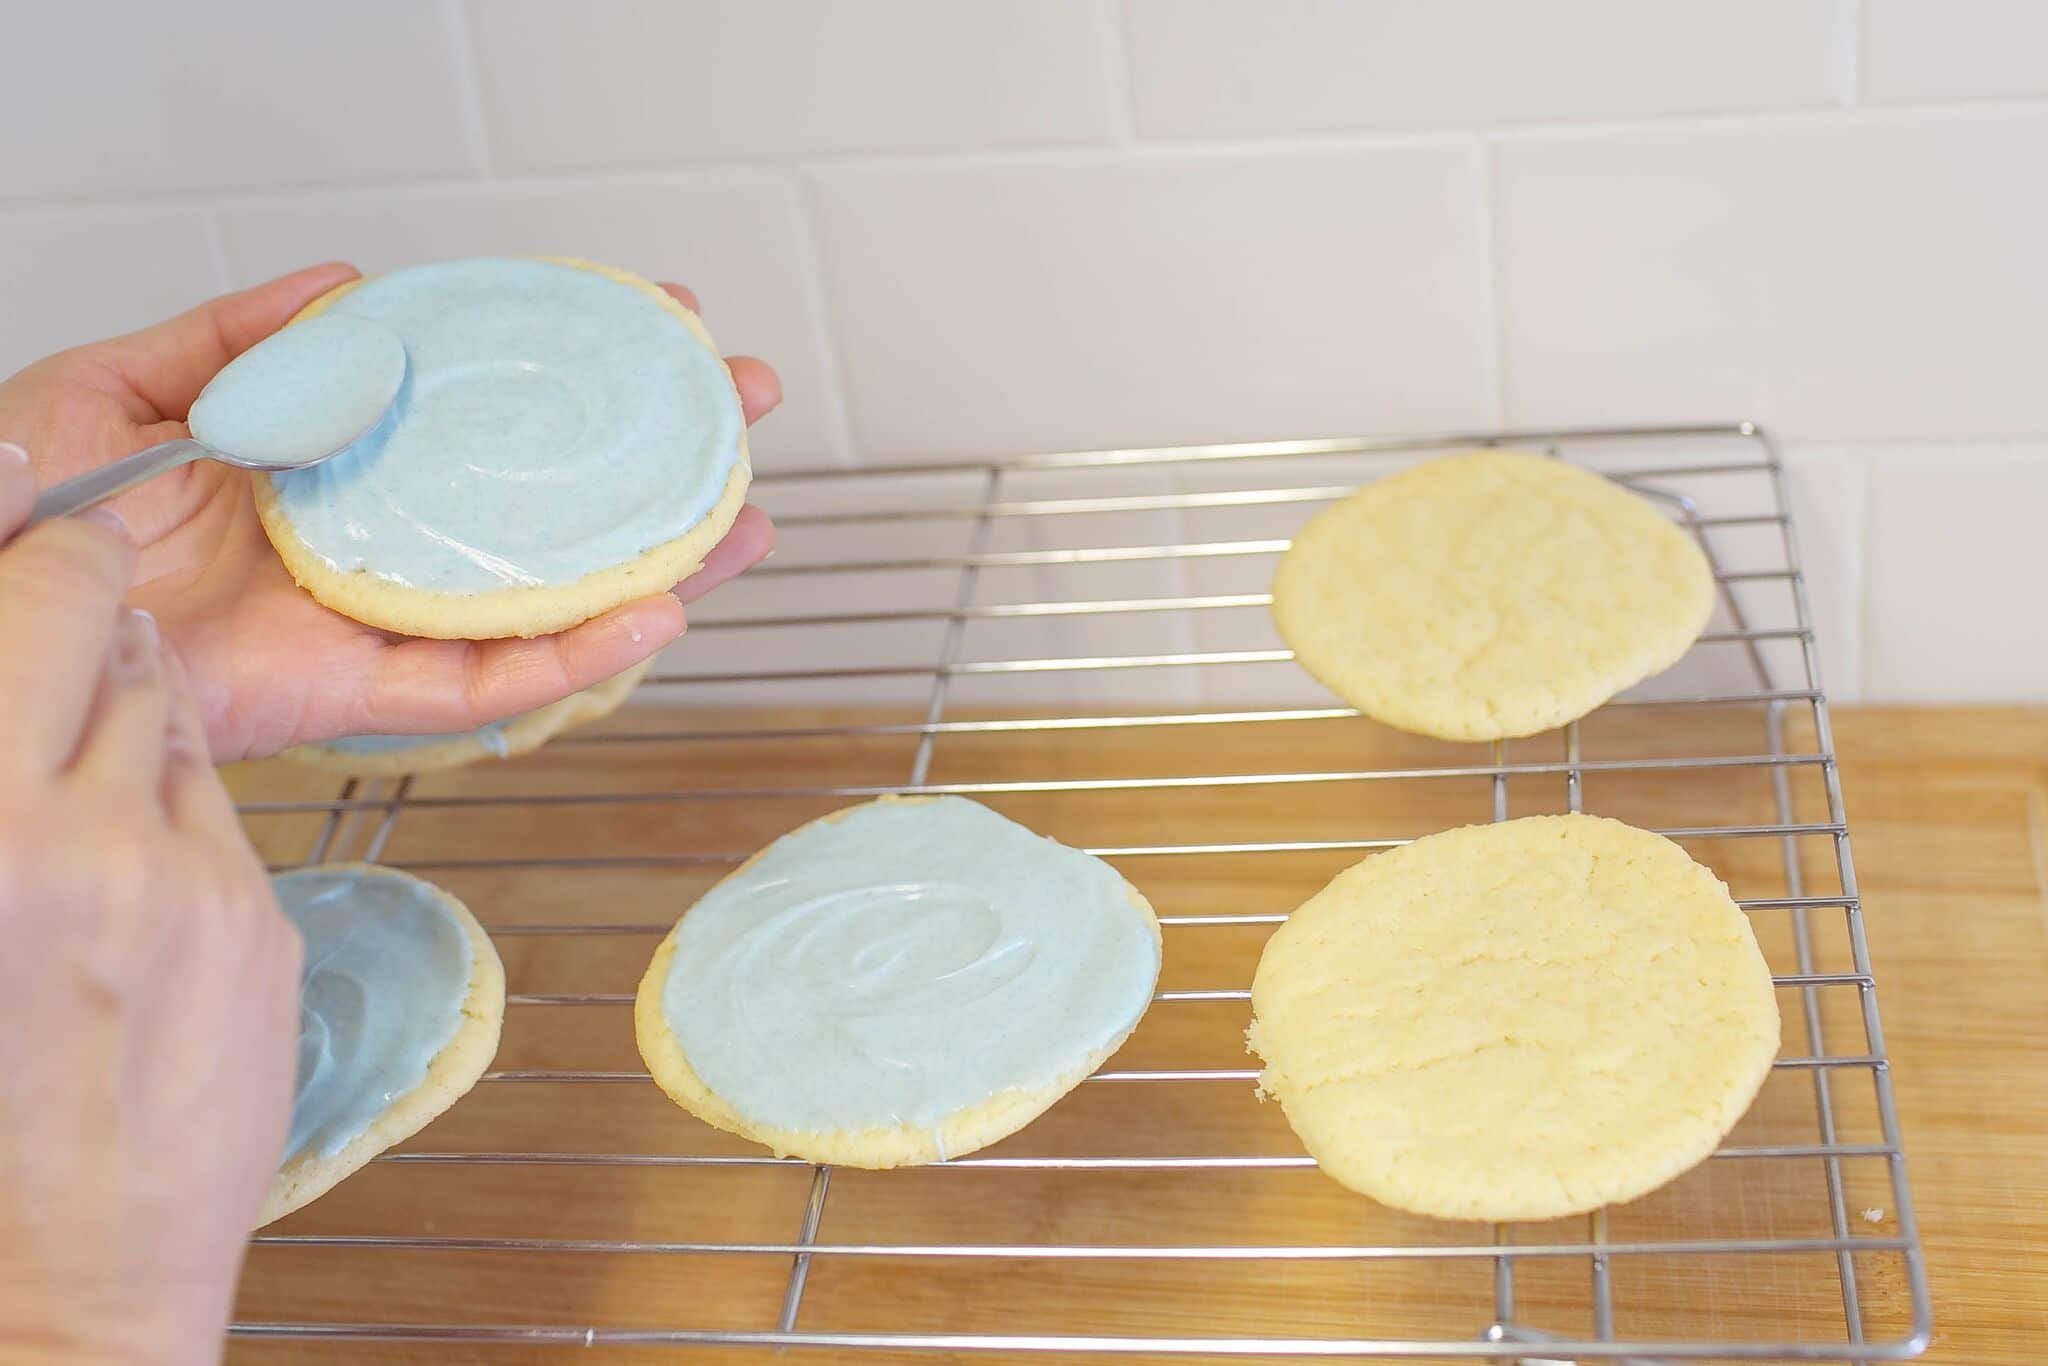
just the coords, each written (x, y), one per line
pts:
(112, 97)
(1954, 49)
(1224, 68)
(1120, 300)
(625, 82)
(77, 277)
(1868, 278)
(1015, 224)
(1954, 609)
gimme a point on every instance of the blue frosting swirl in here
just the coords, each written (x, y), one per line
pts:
(902, 962)
(386, 973)
(553, 422)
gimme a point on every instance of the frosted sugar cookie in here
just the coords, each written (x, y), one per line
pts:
(1489, 595)
(399, 1006)
(383, 756)
(1515, 1021)
(567, 439)
(900, 982)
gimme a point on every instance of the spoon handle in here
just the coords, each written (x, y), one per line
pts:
(96, 486)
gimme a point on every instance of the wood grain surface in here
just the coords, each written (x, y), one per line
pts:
(1947, 809)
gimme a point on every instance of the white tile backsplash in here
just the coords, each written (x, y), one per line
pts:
(733, 238)
(632, 82)
(964, 230)
(1829, 489)
(1878, 278)
(1954, 49)
(1098, 302)
(109, 97)
(1954, 609)
(1223, 68)
(142, 267)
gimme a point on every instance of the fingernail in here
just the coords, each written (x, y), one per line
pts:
(107, 518)
(13, 454)
(134, 659)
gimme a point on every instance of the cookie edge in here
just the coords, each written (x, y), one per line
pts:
(524, 612)
(523, 735)
(1470, 725)
(1364, 1178)
(451, 1072)
(961, 1132)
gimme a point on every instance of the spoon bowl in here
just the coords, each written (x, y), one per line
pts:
(299, 397)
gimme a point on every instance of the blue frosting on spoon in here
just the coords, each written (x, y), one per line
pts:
(302, 393)
(553, 423)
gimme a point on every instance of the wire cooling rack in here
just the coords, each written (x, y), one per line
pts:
(1081, 640)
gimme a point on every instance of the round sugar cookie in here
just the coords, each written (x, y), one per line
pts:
(899, 982)
(567, 439)
(1489, 595)
(386, 756)
(400, 1002)
(1515, 1021)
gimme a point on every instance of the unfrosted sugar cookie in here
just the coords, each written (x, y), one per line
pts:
(900, 982)
(400, 1003)
(567, 439)
(1515, 1021)
(384, 756)
(1489, 595)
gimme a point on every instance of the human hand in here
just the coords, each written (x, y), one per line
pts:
(269, 666)
(148, 983)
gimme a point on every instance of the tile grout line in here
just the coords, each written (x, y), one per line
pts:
(217, 251)
(711, 171)
(1493, 325)
(1113, 53)
(1850, 58)
(468, 86)
(814, 268)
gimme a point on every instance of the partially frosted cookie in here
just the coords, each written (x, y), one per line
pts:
(1515, 1021)
(900, 982)
(382, 756)
(400, 1002)
(567, 439)
(1489, 595)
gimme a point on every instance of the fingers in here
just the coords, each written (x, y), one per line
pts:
(60, 588)
(746, 545)
(426, 686)
(758, 386)
(17, 488)
(125, 740)
(170, 363)
(192, 791)
(760, 389)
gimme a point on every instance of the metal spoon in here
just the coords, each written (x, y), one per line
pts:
(299, 397)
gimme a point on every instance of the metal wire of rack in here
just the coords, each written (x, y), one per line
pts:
(939, 564)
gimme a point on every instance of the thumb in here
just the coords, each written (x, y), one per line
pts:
(168, 364)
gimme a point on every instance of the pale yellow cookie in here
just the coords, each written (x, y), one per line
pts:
(1515, 1021)
(394, 756)
(1489, 595)
(515, 611)
(450, 1072)
(867, 996)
